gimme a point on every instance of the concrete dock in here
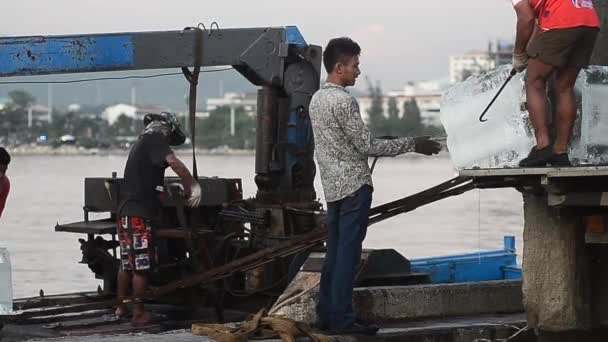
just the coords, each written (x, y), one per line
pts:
(454, 329)
(381, 305)
(430, 312)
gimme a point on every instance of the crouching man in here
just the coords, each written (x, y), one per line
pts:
(137, 214)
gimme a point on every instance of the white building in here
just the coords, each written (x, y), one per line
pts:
(112, 113)
(471, 63)
(235, 100)
(74, 108)
(4, 102)
(501, 51)
(427, 96)
(249, 102)
(38, 113)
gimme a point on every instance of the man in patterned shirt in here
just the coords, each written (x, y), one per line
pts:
(343, 144)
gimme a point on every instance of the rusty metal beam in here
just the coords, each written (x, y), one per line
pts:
(58, 300)
(42, 312)
(174, 234)
(450, 188)
(248, 262)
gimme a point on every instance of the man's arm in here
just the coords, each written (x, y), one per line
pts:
(357, 132)
(181, 170)
(525, 25)
(191, 187)
(160, 154)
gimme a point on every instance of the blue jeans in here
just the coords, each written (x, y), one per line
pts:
(347, 221)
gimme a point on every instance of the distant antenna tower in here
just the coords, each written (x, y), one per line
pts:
(50, 102)
(98, 97)
(133, 94)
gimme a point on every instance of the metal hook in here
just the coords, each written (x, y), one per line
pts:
(511, 74)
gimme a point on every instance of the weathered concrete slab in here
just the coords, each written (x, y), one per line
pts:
(395, 303)
(385, 304)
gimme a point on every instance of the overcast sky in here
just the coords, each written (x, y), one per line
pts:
(402, 40)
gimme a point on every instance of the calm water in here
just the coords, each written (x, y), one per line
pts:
(47, 190)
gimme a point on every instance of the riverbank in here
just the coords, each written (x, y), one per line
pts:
(69, 150)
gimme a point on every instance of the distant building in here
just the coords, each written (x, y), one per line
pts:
(501, 52)
(85, 111)
(471, 63)
(112, 113)
(476, 62)
(249, 102)
(427, 96)
(4, 102)
(37, 113)
(74, 108)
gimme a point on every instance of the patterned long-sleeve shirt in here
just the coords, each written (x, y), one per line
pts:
(343, 143)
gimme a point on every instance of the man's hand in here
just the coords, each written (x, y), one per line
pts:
(194, 200)
(520, 61)
(192, 190)
(426, 146)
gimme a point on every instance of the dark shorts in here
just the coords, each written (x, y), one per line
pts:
(137, 249)
(571, 47)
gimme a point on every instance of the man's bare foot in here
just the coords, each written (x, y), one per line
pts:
(148, 318)
(141, 319)
(121, 312)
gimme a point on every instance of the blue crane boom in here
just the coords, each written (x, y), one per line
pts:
(277, 59)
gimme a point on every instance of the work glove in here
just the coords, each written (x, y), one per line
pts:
(194, 200)
(426, 146)
(520, 61)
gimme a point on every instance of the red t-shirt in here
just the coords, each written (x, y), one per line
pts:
(561, 14)
(5, 187)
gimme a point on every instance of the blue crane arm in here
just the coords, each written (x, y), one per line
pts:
(258, 53)
(277, 59)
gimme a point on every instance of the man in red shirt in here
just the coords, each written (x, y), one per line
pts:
(558, 36)
(5, 185)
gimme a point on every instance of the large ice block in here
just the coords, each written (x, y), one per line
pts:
(501, 141)
(507, 136)
(590, 141)
(6, 286)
